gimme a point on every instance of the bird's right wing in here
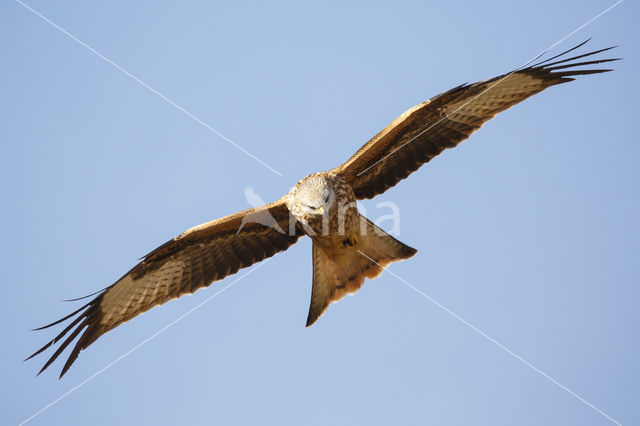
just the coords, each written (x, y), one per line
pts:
(193, 260)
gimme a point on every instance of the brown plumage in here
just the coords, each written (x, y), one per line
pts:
(442, 122)
(347, 247)
(193, 260)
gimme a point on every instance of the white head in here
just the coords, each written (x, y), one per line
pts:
(312, 197)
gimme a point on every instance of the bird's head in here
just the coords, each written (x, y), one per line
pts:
(312, 197)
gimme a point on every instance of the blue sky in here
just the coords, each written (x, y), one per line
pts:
(529, 231)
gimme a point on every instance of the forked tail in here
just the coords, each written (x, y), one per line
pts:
(341, 270)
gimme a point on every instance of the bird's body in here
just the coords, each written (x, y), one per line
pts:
(347, 247)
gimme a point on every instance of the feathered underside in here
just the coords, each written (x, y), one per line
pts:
(193, 260)
(442, 122)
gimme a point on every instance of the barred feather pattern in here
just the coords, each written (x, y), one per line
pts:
(427, 129)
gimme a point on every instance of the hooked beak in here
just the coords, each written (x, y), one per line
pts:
(323, 212)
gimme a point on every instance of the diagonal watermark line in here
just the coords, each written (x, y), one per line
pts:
(137, 80)
(139, 345)
(491, 86)
(492, 340)
(582, 26)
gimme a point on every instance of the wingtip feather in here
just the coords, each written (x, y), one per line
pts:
(63, 318)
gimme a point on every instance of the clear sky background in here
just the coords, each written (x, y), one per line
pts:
(529, 231)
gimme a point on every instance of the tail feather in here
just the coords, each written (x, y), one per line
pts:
(341, 270)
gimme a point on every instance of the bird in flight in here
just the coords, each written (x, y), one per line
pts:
(347, 247)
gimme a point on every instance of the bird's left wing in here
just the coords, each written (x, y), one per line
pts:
(191, 261)
(427, 129)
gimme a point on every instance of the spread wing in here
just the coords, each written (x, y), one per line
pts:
(427, 129)
(191, 261)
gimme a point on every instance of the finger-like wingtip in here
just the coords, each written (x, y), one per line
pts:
(561, 54)
(63, 318)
